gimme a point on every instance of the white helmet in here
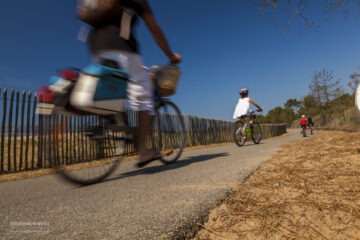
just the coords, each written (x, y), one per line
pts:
(244, 92)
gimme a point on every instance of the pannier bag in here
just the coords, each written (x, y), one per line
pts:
(95, 89)
(100, 89)
(55, 97)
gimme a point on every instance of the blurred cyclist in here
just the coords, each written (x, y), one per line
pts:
(303, 122)
(114, 39)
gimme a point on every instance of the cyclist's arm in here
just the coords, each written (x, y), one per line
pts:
(159, 37)
(255, 104)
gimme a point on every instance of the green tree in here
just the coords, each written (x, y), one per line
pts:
(280, 115)
(354, 81)
(309, 106)
(293, 104)
(261, 118)
(342, 103)
(273, 115)
(324, 87)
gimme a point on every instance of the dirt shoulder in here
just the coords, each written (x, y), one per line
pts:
(310, 189)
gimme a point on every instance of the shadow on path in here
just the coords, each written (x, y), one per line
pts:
(176, 165)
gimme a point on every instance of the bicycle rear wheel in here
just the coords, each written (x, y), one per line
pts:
(239, 134)
(304, 131)
(256, 133)
(169, 131)
(87, 149)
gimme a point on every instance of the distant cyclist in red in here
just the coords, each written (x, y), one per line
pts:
(303, 121)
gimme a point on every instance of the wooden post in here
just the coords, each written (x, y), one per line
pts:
(9, 132)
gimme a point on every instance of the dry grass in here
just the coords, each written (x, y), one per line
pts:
(308, 190)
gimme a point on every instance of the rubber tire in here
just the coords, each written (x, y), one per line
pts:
(237, 135)
(256, 129)
(114, 145)
(165, 124)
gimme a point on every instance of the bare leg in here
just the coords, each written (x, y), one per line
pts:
(144, 130)
(145, 122)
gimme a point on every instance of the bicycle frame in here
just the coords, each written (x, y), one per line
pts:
(248, 119)
(303, 131)
(247, 122)
(245, 125)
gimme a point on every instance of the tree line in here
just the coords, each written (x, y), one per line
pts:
(326, 96)
(325, 99)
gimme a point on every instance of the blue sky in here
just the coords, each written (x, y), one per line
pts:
(225, 44)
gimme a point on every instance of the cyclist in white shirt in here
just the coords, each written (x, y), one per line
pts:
(242, 108)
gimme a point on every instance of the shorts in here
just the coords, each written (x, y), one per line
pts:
(139, 87)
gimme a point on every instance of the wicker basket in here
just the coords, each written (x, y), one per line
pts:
(166, 77)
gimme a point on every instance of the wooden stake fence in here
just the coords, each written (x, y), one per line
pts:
(27, 139)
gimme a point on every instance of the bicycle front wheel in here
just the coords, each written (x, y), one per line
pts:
(86, 149)
(169, 131)
(256, 133)
(239, 134)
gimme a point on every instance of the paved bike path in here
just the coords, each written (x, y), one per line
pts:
(148, 203)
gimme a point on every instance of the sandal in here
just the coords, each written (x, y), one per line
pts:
(143, 163)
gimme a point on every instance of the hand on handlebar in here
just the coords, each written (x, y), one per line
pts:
(259, 110)
(175, 58)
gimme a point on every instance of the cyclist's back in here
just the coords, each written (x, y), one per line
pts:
(303, 121)
(242, 108)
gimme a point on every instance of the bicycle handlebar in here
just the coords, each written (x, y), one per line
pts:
(255, 111)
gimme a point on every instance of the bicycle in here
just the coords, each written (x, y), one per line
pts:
(303, 130)
(99, 142)
(246, 127)
(311, 128)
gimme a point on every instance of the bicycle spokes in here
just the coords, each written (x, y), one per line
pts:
(169, 132)
(256, 133)
(90, 152)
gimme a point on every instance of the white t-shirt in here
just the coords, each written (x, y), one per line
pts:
(242, 108)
